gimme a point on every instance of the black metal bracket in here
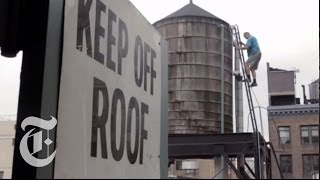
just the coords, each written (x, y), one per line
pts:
(206, 146)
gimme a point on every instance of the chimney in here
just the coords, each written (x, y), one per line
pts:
(305, 101)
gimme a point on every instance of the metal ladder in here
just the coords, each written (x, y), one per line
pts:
(258, 171)
(236, 38)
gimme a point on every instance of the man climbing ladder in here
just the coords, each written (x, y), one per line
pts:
(254, 56)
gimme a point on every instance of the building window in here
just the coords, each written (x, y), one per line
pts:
(286, 165)
(310, 165)
(315, 134)
(284, 133)
(178, 165)
(309, 134)
(187, 168)
(1, 174)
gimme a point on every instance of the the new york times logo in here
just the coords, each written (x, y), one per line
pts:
(37, 139)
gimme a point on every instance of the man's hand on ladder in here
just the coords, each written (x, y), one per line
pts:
(235, 44)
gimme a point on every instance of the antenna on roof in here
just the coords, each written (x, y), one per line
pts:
(191, 2)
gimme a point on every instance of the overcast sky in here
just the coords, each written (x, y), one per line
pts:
(287, 31)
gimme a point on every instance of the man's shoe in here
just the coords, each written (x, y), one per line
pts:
(253, 84)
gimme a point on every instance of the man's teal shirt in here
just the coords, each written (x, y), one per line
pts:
(253, 46)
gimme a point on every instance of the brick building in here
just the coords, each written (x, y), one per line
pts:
(293, 128)
(7, 133)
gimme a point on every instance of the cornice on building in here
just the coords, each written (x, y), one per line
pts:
(293, 110)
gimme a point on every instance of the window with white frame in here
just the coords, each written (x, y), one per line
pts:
(309, 134)
(284, 135)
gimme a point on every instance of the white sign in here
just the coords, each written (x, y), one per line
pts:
(110, 94)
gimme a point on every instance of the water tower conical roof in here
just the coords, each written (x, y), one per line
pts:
(191, 10)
